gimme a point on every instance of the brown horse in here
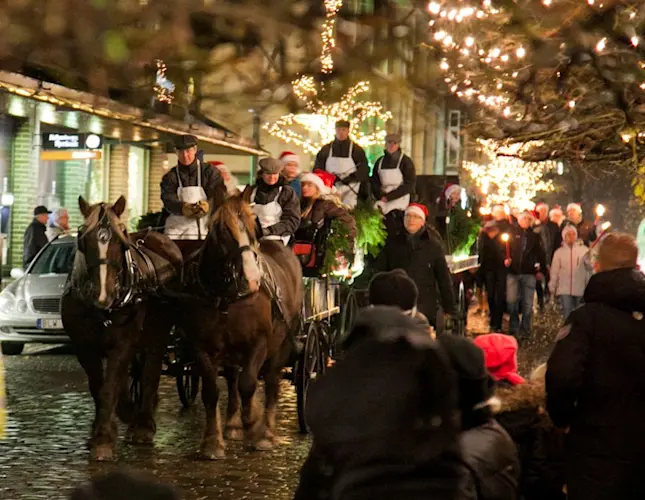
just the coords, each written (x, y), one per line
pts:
(239, 323)
(111, 309)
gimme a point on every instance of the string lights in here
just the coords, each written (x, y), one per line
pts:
(310, 131)
(328, 40)
(163, 87)
(508, 180)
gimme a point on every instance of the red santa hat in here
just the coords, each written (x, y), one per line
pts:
(324, 181)
(451, 188)
(288, 157)
(417, 209)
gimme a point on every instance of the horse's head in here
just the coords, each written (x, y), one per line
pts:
(228, 265)
(102, 242)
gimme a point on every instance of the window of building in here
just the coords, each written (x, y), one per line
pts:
(138, 160)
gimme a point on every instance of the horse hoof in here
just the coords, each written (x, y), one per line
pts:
(263, 445)
(234, 434)
(216, 454)
(142, 437)
(103, 453)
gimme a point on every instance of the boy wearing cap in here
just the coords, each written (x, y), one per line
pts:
(348, 162)
(35, 237)
(419, 253)
(393, 179)
(186, 190)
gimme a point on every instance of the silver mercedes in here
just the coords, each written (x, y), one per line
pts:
(30, 306)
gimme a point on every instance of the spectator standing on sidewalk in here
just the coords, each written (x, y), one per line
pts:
(526, 265)
(569, 274)
(35, 235)
(595, 381)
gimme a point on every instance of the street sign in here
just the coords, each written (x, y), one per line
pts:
(58, 141)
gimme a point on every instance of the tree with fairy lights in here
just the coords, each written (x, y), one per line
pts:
(568, 75)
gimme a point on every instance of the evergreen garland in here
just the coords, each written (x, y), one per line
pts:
(370, 229)
(338, 242)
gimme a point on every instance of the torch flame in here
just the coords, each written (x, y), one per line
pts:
(505, 237)
(600, 210)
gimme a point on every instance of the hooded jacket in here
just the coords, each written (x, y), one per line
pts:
(569, 274)
(389, 432)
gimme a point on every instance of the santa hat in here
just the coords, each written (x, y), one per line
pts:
(500, 353)
(323, 180)
(451, 188)
(217, 164)
(574, 206)
(288, 156)
(418, 209)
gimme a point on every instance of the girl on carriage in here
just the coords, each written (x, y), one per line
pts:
(275, 204)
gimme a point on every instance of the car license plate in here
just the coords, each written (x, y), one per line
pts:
(50, 324)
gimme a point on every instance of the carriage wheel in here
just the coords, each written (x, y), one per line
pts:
(188, 385)
(135, 380)
(462, 311)
(347, 317)
(310, 365)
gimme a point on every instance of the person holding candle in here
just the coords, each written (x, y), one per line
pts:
(491, 259)
(526, 262)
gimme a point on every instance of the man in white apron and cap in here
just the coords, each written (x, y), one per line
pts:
(274, 202)
(186, 190)
(393, 182)
(348, 162)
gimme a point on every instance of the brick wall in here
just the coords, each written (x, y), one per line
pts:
(156, 172)
(72, 180)
(24, 178)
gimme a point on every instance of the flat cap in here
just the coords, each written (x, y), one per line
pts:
(395, 138)
(185, 141)
(342, 124)
(270, 166)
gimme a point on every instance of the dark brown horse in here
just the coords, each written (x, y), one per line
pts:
(239, 324)
(111, 309)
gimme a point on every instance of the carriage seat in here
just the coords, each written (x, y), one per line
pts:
(310, 244)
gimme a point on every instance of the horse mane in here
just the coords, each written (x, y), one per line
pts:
(92, 221)
(230, 212)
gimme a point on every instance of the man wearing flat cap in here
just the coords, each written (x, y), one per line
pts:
(186, 191)
(348, 162)
(393, 181)
(275, 203)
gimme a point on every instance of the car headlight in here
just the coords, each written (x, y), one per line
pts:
(7, 302)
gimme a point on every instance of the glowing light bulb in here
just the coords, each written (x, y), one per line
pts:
(600, 46)
(434, 8)
(470, 41)
(444, 65)
(521, 52)
(572, 104)
(439, 35)
(634, 41)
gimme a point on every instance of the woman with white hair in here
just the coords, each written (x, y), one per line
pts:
(58, 224)
(569, 274)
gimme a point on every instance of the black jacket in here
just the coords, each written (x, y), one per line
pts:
(341, 149)
(421, 256)
(525, 255)
(491, 466)
(323, 210)
(539, 444)
(551, 237)
(491, 253)
(286, 197)
(389, 161)
(211, 179)
(387, 432)
(596, 373)
(35, 238)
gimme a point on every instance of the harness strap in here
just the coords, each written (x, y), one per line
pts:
(270, 284)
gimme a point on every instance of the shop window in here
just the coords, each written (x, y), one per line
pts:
(137, 185)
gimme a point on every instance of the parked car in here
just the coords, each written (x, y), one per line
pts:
(30, 306)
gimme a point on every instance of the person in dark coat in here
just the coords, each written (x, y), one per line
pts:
(35, 235)
(275, 204)
(386, 433)
(586, 229)
(348, 162)
(526, 265)
(595, 380)
(551, 237)
(491, 266)
(417, 251)
(491, 465)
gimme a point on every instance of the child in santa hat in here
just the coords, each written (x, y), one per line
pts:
(291, 170)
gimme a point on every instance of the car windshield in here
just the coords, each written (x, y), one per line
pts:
(55, 259)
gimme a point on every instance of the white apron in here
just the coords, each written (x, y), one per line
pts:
(268, 215)
(179, 227)
(342, 168)
(391, 178)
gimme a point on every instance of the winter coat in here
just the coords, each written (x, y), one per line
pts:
(551, 237)
(539, 444)
(34, 240)
(211, 180)
(287, 199)
(523, 262)
(595, 384)
(492, 253)
(389, 432)
(421, 256)
(491, 464)
(296, 186)
(341, 149)
(389, 161)
(325, 209)
(569, 273)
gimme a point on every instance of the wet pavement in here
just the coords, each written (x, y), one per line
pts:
(44, 456)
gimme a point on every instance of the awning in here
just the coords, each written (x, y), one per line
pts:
(107, 108)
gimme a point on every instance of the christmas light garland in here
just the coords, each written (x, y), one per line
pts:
(163, 87)
(328, 40)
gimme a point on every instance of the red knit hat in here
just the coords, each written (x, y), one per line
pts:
(323, 180)
(500, 353)
(418, 209)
